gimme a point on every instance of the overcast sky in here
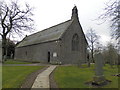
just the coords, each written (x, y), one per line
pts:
(48, 13)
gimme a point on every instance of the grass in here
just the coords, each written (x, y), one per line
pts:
(75, 77)
(14, 76)
(108, 71)
(0, 76)
(15, 62)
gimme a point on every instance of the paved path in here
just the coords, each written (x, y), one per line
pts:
(36, 64)
(42, 80)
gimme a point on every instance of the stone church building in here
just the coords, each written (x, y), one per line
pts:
(64, 43)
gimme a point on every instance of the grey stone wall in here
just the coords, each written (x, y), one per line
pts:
(37, 53)
(67, 55)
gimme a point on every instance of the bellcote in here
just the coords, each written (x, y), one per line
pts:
(74, 13)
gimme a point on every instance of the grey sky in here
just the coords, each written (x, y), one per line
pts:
(51, 12)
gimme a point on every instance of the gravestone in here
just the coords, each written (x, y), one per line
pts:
(99, 76)
(99, 65)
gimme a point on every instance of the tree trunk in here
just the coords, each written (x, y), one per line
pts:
(4, 41)
(88, 63)
(92, 54)
(88, 60)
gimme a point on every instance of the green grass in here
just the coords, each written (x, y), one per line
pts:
(15, 62)
(108, 71)
(14, 76)
(75, 77)
(0, 77)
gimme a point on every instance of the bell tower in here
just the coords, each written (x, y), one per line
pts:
(74, 13)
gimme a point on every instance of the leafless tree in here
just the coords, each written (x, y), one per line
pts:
(112, 11)
(14, 19)
(92, 38)
(110, 55)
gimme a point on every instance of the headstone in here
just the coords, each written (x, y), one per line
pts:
(99, 64)
(99, 77)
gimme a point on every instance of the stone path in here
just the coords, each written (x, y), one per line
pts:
(42, 80)
(36, 64)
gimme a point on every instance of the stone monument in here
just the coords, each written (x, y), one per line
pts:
(99, 76)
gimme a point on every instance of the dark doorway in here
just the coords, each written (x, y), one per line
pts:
(48, 56)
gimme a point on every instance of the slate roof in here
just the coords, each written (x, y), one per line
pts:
(49, 34)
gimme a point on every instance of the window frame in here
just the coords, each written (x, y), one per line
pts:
(75, 42)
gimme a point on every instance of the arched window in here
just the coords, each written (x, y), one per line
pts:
(75, 42)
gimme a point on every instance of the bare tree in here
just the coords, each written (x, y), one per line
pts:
(112, 10)
(14, 20)
(98, 47)
(110, 55)
(92, 38)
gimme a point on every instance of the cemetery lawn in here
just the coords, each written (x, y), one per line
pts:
(14, 76)
(11, 61)
(75, 77)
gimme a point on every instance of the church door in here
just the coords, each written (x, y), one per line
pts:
(48, 56)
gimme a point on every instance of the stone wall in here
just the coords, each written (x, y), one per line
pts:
(37, 53)
(67, 55)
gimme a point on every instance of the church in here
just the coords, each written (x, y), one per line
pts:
(64, 43)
